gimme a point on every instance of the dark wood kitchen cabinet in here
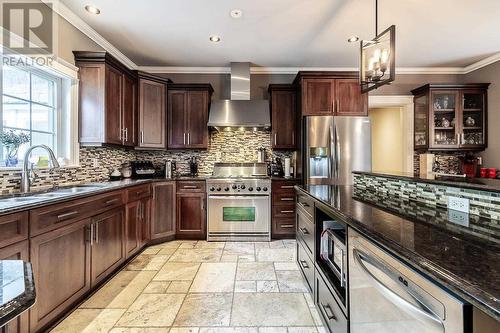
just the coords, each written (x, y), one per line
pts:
(188, 107)
(331, 94)
(16, 251)
(152, 111)
(451, 117)
(108, 250)
(107, 100)
(283, 116)
(137, 218)
(191, 210)
(163, 210)
(61, 266)
(283, 208)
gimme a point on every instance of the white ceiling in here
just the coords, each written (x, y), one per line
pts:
(294, 33)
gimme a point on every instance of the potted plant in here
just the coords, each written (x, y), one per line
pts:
(12, 141)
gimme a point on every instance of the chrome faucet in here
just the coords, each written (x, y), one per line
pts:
(26, 178)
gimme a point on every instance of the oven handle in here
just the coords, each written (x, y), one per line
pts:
(421, 312)
(235, 197)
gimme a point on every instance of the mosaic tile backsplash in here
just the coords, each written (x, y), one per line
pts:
(96, 163)
(482, 203)
(448, 163)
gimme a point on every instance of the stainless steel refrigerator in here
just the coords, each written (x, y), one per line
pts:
(336, 146)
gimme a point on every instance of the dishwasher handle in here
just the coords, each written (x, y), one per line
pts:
(422, 312)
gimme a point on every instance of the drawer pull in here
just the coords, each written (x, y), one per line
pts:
(304, 231)
(287, 226)
(328, 311)
(109, 202)
(286, 199)
(65, 215)
(286, 186)
(286, 211)
(304, 264)
(190, 186)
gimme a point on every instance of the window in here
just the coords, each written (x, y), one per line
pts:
(33, 104)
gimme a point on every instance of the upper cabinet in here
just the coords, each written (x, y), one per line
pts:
(283, 116)
(331, 93)
(450, 116)
(188, 107)
(152, 113)
(107, 101)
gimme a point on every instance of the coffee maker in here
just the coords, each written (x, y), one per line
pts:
(470, 165)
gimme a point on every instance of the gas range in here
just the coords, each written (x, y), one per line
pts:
(239, 186)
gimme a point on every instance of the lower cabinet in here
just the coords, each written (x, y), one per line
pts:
(328, 308)
(132, 228)
(283, 208)
(191, 215)
(17, 251)
(163, 210)
(107, 245)
(145, 222)
(61, 266)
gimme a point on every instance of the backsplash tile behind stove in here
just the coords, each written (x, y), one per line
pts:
(96, 163)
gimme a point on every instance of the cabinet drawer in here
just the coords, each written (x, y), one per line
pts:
(138, 192)
(13, 228)
(284, 186)
(283, 226)
(284, 211)
(283, 198)
(305, 231)
(190, 186)
(306, 203)
(306, 265)
(328, 307)
(52, 217)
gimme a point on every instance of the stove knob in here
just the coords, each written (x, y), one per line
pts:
(212, 189)
(234, 187)
(250, 189)
(242, 187)
(258, 188)
(218, 189)
(226, 189)
(264, 189)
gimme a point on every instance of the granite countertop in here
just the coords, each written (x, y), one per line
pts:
(482, 184)
(17, 289)
(462, 256)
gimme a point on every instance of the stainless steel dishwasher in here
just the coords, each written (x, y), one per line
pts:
(386, 295)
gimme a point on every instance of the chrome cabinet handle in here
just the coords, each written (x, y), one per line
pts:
(304, 231)
(327, 309)
(287, 199)
(293, 138)
(286, 211)
(287, 226)
(126, 134)
(96, 232)
(90, 238)
(304, 264)
(142, 136)
(286, 186)
(275, 138)
(189, 138)
(109, 202)
(342, 280)
(189, 186)
(421, 312)
(62, 216)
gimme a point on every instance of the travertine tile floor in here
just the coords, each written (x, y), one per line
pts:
(202, 287)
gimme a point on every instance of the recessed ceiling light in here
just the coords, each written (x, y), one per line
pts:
(353, 39)
(236, 13)
(92, 9)
(214, 39)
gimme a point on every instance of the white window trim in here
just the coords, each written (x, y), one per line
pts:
(68, 98)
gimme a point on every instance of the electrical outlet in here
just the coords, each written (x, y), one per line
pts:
(459, 218)
(459, 204)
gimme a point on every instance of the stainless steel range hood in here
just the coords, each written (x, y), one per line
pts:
(240, 113)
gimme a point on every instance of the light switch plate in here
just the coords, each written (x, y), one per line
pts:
(459, 204)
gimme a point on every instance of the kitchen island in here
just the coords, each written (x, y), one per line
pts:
(461, 257)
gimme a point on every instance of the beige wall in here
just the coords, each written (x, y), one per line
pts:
(490, 74)
(387, 139)
(405, 83)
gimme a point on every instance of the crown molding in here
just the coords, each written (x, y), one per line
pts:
(482, 63)
(78, 23)
(185, 70)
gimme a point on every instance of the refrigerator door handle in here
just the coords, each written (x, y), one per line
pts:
(337, 153)
(331, 138)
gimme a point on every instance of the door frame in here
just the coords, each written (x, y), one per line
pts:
(405, 104)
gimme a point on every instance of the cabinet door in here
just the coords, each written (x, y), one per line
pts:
(421, 121)
(349, 99)
(177, 118)
(145, 225)
(197, 128)
(283, 119)
(17, 251)
(152, 116)
(444, 120)
(163, 210)
(107, 248)
(113, 114)
(133, 227)
(317, 97)
(191, 216)
(473, 119)
(129, 126)
(61, 266)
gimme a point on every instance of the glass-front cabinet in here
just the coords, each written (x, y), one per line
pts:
(450, 117)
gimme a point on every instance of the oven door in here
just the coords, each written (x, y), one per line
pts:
(239, 217)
